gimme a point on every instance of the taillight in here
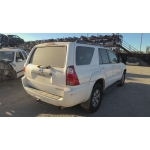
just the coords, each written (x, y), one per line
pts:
(71, 76)
(24, 69)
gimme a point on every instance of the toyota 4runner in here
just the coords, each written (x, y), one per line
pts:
(65, 74)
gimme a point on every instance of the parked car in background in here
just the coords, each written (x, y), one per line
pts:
(11, 63)
(15, 40)
(3, 40)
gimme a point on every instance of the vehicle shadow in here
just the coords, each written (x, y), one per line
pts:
(131, 75)
(131, 100)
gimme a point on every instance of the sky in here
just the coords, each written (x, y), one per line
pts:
(134, 39)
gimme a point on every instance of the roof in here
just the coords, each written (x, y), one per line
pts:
(66, 43)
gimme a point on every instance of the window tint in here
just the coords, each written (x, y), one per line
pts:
(112, 56)
(19, 56)
(84, 55)
(100, 57)
(54, 56)
(104, 56)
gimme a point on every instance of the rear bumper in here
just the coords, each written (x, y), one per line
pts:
(72, 95)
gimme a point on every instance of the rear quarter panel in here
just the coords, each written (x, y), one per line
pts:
(84, 72)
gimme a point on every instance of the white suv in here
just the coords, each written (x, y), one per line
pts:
(69, 73)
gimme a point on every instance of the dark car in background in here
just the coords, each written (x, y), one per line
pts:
(3, 40)
(15, 40)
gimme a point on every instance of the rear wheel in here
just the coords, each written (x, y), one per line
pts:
(93, 103)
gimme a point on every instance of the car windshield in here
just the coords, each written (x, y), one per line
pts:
(7, 56)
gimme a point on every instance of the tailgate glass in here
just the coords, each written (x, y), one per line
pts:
(55, 56)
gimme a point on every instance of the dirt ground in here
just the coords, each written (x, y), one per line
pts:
(131, 100)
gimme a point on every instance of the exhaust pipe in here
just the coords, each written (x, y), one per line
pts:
(38, 101)
(61, 108)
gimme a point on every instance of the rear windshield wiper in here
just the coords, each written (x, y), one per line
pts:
(46, 67)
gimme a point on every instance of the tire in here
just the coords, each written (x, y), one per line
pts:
(93, 103)
(14, 74)
(122, 80)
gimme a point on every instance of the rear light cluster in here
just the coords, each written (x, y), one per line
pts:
(71, 77)
(24, 69)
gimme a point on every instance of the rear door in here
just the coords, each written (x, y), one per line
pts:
(116, 66)
(46, 69)
(25, 54)
(105, 66)
(19, 64)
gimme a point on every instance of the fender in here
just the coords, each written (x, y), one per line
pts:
(94, 77)
(123, 68)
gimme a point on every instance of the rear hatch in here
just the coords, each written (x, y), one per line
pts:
(46, 69)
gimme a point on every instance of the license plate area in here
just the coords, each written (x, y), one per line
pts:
(40, 77)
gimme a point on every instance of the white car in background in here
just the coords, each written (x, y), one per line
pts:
(12, 62)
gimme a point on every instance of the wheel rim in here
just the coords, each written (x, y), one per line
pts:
(96, 98)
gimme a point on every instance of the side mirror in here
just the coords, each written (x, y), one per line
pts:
(19, 60)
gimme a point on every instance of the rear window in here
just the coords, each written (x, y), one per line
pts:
(55, 56)
(84, 55)
(25, 55)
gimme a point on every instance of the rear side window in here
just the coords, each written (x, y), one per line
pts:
(84, 55)
(19, 56)
(100, 57)
(104, 55)
(25, 55)
(54, 56)
(113, 57)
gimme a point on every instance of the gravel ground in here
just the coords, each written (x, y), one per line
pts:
(131, 100)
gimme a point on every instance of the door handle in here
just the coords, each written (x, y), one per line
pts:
(103, 68)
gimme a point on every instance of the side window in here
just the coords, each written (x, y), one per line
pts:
(100, 57)
(19, 56)
(113, 57)
(84, 55)
(25, 55)
(104, 55)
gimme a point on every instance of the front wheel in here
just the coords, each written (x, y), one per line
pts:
(122, 79)
(93, 103)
